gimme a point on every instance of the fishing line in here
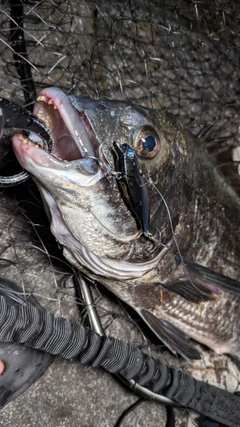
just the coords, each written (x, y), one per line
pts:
(168, 212)
(106, 164)
(134, 322)
(172, 229)
(24, 274)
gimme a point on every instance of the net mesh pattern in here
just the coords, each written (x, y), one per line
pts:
(179, 56)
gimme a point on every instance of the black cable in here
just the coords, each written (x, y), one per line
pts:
(128, 411)
(170, 417)
(170, 414)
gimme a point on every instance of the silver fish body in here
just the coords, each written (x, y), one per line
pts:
(177, 277)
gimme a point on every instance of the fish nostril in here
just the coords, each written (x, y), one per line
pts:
(3, 367)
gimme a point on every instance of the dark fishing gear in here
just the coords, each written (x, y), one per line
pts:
(13, 116)
(39, 329)
(20, 56)
(83, 289)
(207, 422)
(131, 184)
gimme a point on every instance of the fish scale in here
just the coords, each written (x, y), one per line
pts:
(202, 317)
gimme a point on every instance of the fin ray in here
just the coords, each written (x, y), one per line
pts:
(208, 278)
(189, 290)
(172, 337)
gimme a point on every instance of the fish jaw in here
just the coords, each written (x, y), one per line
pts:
(72, 140)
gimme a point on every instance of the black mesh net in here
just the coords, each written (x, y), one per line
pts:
(180, 56)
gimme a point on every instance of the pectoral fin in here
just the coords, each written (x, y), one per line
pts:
(171, 336)
(208, 277)
(190, 290)
(197, 283)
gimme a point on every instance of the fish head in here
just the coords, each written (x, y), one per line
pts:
(79, 183)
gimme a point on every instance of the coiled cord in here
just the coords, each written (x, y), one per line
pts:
(41, 330)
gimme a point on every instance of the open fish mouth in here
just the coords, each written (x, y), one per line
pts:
(87, 214)
(75, 143)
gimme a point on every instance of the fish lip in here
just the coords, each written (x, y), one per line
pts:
(75, 140)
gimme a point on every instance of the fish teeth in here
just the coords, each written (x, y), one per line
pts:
(59, 158)
(26, 140)
(43, 98)
(45, 118)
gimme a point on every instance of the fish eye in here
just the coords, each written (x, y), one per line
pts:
(147, 142)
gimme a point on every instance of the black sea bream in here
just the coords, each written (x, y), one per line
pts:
(181, 275)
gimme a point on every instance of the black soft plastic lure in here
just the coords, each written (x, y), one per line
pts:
(131, 184)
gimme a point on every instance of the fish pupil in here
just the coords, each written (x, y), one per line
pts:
(149, 143)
